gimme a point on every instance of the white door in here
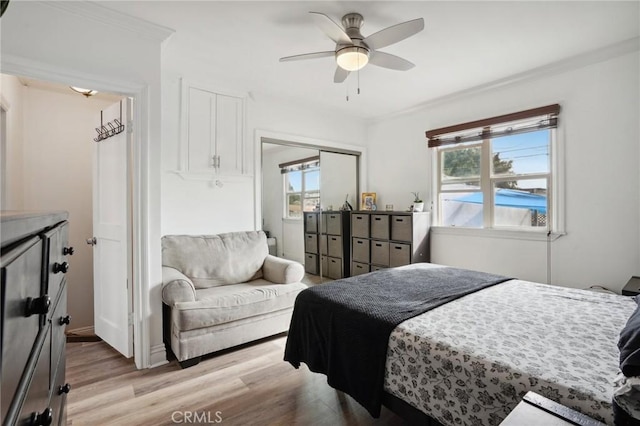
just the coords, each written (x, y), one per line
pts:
(111, 232)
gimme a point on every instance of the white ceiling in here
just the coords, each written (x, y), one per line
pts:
(464, 45)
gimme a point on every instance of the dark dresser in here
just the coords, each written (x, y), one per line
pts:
(34, 262)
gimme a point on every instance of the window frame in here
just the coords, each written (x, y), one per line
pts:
(555, 226)
(303, 192)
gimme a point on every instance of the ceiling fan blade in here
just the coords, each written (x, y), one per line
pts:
(340, 75)
(330, 28)
(387, 60)
(394, 34)
(313, 55)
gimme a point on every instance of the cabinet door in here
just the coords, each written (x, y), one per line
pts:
(228, 136)
(201, 123)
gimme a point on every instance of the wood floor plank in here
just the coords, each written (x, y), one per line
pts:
(249, 385)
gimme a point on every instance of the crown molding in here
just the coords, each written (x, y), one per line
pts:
(98, 13)
(574, 62)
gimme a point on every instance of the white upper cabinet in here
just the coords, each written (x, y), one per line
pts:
(213, 133)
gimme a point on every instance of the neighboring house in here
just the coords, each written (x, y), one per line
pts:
(84, 44)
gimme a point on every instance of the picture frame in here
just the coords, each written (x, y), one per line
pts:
(368, 201)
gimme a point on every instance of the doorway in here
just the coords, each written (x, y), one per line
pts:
(57, 163)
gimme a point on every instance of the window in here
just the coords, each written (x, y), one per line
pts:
(497, 172)
(301, 181)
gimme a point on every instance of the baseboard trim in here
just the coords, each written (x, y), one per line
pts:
(82, 334)
(158, 356)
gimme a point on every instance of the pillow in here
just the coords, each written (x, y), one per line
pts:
(629, 344)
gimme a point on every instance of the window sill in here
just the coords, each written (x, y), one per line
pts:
(497, 233)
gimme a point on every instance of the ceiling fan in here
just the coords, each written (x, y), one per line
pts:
(353, 51)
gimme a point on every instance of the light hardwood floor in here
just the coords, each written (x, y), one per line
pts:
(250, 385)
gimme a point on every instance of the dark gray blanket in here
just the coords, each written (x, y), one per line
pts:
(342, 328)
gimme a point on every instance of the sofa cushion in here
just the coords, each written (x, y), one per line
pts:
(219, 305)
(214, 260)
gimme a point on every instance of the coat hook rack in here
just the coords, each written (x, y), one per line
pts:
(111, 128)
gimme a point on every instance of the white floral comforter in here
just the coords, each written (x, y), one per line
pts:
(470, 361)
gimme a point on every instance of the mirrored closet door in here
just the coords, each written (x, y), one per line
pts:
(307, 193)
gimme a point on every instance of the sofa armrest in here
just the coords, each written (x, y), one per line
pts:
(282, 271)
(176, 287)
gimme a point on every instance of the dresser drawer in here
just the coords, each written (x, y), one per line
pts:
(21, 283)
(401, 228)
(58, 392)
(335, 268)
(399, 254)
(360, 250)
(311, 222)
(334, 223)
(59, 322)
(311, 243)
(36, 400)
(360, 225)
(311, 263)
(359, 269)
(57, 244)
(380, 226)
(335, 246)
(380, 253)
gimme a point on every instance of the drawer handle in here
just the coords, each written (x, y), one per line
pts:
(67, 251)
(398, 247)
(377, 218)
(60, 267)
(66, 388)
(399, 220)
(42, 419)
(334, 239)
(64, 320)
(378, 245)
(359, 242)
(37, 306)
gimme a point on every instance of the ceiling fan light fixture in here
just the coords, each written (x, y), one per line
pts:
(85, 92)
(352, 58)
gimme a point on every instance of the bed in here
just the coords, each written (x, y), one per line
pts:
(470, 357)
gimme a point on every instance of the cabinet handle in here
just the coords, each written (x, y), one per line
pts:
(378, 245)
(399, 220)
(37, 306)
(334, 239)
(42, 419)
(359, 242)
(60, 267)
(66, 388)
(64, 320)
(398, 247)
(67, 251)
(377, 218)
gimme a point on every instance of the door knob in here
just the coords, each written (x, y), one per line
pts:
(92, 241)
(67, 251)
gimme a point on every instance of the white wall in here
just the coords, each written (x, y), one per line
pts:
(58, 129)
(12, 100)
(201, 207)
(600, 133)
(83, 42)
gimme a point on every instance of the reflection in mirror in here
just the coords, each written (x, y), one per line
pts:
(338, 180)
(290, 186)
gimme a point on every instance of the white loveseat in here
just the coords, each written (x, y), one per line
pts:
(223, 290)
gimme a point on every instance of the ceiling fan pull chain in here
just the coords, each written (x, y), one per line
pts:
(358, 81)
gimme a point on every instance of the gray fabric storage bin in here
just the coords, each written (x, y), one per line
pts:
(334, 223)
(380, 226)
(360, 225)
(334, 244)
(311, 243)
(399, 254)
(380, 253)
(359, 269)
(401, 228)
(360, 250)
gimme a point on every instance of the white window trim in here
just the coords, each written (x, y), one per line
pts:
(285, 203)
(556, 208)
